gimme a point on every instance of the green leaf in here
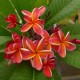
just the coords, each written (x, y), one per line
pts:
(6, 8)
(4, 39)
(60, 9)
(23, 71)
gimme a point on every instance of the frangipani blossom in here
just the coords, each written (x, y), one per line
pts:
(47, 37)
(37, 52)
(12, 20)
(33, 20)
(48, 64)
(14, 51)
(61, 43)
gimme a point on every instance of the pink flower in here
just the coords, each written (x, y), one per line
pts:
(33, 20)
(61, 43)
(12, 20)
(37, 52)
(14, 51)
(48, 64)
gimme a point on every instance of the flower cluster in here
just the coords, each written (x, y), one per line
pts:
(40, 51)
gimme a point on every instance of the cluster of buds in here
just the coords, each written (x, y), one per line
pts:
(38, 52)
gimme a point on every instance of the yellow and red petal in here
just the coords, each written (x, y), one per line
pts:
(54, 41)
(35, 14)
(26, 13)
(70, 46)
(38, 29)
(45, 53)
(36, 42)
(62, 50)
(37, 63)
(16, 38)
(26, 27)
(31, 46)
(41, 44)
(67, 37)
(28, 19)
(24, 42)
(48, 47)
(47, 71)
(45, 34)
(61, 35)
(40, 22)
(17, 57)
(41, 10)
(26, 54)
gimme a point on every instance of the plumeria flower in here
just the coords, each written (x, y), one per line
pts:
(48, 65)
(37, 52)
(33, 20)
(61, 43)
(12, 20)
(14, 51)
(47, 37)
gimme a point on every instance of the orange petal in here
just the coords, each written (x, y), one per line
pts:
(30, 45)
(54, 41)
(47, 72)
(24, 42)
(45, 34)
(36, 43)
(27, 19)
(17, 57)
(70, 46)
(67, 37)
(37, 63)
(40, 22)
(48, 47)
(26, 27)
(26, 54)
(41, 44)
(61, 35)
(62, 50)
(38, 29)
(26, 13)
(41, 10)
(35, 14)
(45, 53)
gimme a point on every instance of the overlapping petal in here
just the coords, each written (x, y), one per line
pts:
(38, 29)
(30, 45)
(62, 50)
(47, 71)
(45, 53)
(41, 44)
(37, 63)
(26, 27)
(16, 38)
(70, 46)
